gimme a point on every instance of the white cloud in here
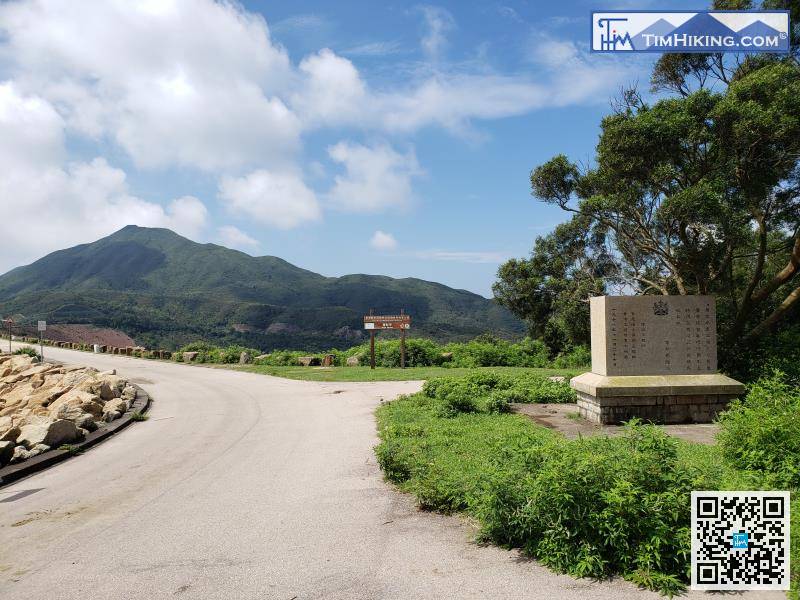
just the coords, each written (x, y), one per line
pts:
(376, 177)
(333, 91)
(47, 206)
(178, 82)
(383, 241)
(374, 49)
(272, 198)
(551, 52)
(438, 22)
(201, 85)
(300, 23)
(233, 237)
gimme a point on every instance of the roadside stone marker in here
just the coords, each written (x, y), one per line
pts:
(653, 357)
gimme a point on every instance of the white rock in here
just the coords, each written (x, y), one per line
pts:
(116, 406)
(20, 454)
(51, 433)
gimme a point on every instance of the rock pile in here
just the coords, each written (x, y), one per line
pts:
(44, 406)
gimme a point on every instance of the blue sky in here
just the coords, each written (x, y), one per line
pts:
(348, 137)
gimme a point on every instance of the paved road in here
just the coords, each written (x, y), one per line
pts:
(247, 486)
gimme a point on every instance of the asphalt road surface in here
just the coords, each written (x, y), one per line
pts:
(248, 486)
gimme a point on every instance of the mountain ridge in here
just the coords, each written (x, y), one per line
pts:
(163, 289)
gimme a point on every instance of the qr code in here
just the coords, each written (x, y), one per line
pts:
(740, 540)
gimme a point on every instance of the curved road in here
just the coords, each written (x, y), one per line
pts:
(247, 486)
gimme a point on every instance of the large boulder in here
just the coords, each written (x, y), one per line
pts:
(98, 387)
(114, 409)
(353, 361)
(9, 434)
(189, 356)
(245, 358)
(77, 409)
(50, 433)
(308, 361)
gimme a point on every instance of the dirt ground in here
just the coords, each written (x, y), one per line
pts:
(565, 418)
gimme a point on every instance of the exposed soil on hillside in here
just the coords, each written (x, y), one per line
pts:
(83, 334)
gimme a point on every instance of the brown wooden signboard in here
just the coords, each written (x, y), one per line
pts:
(387, 322)
(375, 323)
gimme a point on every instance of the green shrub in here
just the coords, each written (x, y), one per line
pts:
(499, 401)
(537, 352)
(762, 431)
(420, 352)
(29, 351)
(576, 357)
(490, 352)
(541, 390)
(206, 353)
(456, 397)
(477, 390)
(591, 507)
(281, 358)
(484, 351)
(231, 354)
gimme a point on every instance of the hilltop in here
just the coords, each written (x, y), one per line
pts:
(165, 290)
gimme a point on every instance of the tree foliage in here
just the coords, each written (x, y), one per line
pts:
(697, 193)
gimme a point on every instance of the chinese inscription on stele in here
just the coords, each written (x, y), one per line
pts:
(653, 335)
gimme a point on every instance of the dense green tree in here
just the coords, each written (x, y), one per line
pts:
(698, 193)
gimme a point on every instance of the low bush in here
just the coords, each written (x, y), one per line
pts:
(762, 431)
(484, 351)
(591, 507)
(575, 358)
(232, 354)
(493, 391)
(447, 463)
(599, 506)
(29, 351)
(420, 352)
(491, 352)
(281, 358)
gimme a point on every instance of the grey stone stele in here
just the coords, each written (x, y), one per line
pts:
(655, 358)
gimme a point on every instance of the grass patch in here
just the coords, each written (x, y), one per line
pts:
(137, 416)
(591, 507)
(71, 449)
(384, 373)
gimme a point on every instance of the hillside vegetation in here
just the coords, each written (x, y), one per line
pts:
(165, 290)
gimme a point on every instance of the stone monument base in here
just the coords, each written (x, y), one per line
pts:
(657, 398)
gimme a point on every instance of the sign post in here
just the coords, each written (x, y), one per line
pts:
(402, 344)
(9, 322)
(372, 350)
(374, 323)
(41, 326)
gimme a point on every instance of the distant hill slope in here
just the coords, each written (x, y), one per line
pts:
(165, 290)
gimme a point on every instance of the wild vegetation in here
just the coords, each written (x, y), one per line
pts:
(591, 507)
(483, 351)
(695, 193)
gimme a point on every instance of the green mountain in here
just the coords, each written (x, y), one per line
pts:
(165, 290)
